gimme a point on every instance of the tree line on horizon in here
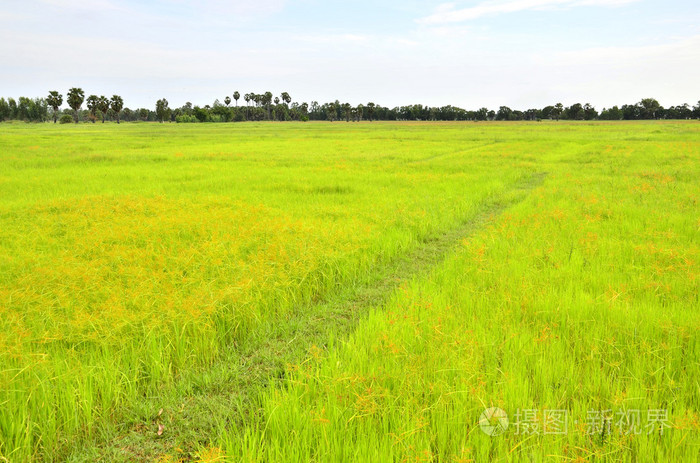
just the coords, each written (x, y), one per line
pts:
(268, 107)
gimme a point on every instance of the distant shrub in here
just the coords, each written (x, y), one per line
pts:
(184, 118)
(201, 114)
(304, 119)
(65, 119)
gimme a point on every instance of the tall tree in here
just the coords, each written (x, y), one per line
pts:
(5, 112)
(332, 110)
(55, 100)
(227, 100)
(236, 96)
(481, 114)
(162, 109)
(370, 110)
(247, 97)
(277, 111)
(286, 98)
(631, 112)
(612, 114)
(266, 100)
(103, 106)
(91, 103)
(346, 111)
(23, 104)
(76, 96)
(504, 113)
(558, 110)
(12, 104)
(117, 104)
(574, 112)
(650, 108)
(589, 112)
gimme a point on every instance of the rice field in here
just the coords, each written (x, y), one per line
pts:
(350, 292)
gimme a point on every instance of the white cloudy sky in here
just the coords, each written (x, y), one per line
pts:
(520, 53)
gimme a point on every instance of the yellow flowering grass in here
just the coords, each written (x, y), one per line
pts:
(130, 254)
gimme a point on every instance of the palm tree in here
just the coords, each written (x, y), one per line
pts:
(227, 100)
(76, 96)
(92, 106)
(236, 96)
(370, 110)
(267, 101)
(117, 105)
(333, 110)
(558, 109)
(286, 98)
(276, 112)
(55, 100)
(103, 106)
(247, 97)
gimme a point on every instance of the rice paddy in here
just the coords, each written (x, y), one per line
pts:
(349, 292)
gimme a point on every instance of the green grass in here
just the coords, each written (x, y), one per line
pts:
(329, 292)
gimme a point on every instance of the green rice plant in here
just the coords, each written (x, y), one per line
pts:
(134, 255)
(575, 312)
(145, 266)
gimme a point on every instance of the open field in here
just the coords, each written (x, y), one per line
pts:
(340, 292)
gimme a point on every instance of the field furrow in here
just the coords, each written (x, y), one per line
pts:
(227, 393)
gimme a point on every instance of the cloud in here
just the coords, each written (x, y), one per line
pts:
(449, 13)
(625, 74)
(684, 50)
(334, 38)
(148, 64)
(234, 7)
(92, 5)
(197, 51)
